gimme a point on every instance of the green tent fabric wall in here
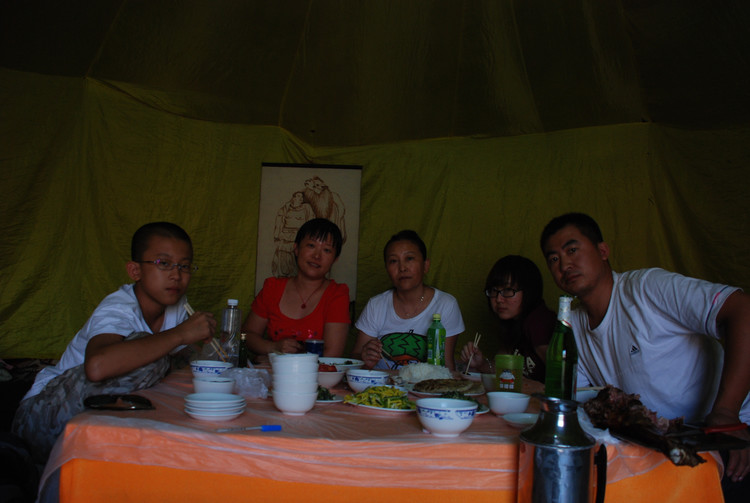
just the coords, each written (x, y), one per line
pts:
(97, 164)
(475, 123)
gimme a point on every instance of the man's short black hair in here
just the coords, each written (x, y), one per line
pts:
(143, 235)
(581, 221)
(321, 229)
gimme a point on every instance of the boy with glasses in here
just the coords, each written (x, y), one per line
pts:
(126, 343)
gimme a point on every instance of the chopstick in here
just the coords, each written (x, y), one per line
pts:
(385, 354)
(477, 338)
(214, 343)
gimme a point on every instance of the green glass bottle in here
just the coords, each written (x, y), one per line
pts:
(562, 356)
(436, 342)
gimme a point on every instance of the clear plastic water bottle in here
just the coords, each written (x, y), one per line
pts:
(231, 321)
(436, 342)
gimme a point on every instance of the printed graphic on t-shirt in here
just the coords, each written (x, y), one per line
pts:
(404, 348)
(528, 364)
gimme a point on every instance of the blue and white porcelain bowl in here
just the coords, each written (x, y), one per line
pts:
(209, 368)
(361, 379)
(445, 417)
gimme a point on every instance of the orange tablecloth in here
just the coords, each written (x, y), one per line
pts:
(336, 451)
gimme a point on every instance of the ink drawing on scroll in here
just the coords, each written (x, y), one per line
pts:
(292, 194)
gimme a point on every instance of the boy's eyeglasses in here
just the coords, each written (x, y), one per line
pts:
(163, 265)
(505, 292)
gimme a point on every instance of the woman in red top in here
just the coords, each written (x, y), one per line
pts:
(306, 306)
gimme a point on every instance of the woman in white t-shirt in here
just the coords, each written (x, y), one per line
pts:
(393, 326)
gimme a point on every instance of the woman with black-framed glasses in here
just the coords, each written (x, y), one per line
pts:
(514, 293)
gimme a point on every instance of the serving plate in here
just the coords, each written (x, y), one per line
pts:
(422, 394)
(213, 417)
(337, 399)
(341, 363)
(214, 400)
(383, 409)
(215, 412)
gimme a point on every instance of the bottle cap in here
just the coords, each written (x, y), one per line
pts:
(232, 302)
(436, 317)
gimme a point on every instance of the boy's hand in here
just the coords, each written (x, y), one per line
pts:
(200, 326)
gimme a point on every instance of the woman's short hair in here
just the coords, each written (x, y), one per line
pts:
(407, 235)
(320, 229)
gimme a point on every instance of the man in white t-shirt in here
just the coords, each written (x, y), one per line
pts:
(125, 344)
(656, 333)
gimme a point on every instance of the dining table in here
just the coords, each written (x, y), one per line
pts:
(335, 452)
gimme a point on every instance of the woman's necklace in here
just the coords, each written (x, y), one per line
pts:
(305, 301)
(417, 308)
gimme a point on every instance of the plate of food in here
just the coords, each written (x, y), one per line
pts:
(340, 363)
(384, 409)
(437, 387)
(383, 399)
(416, 372)
(325, 396)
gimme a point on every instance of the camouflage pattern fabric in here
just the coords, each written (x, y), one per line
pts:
(40, 419)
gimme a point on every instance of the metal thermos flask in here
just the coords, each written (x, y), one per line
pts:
(556, 458)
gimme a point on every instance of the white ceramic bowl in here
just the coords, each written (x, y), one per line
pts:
(445, 417)
(283, 365)
(294, 404)
(507, 402)
(306, 386)
(329, 379)
(342, 363)
(209, 368)
(212, 384)
(521, 419)
(287, 357)
(361, 379)
(295, 377)
(300, 368)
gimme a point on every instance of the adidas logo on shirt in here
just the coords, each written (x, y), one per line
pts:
(634, 350)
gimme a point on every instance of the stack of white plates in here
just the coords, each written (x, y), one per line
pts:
(214, 406)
